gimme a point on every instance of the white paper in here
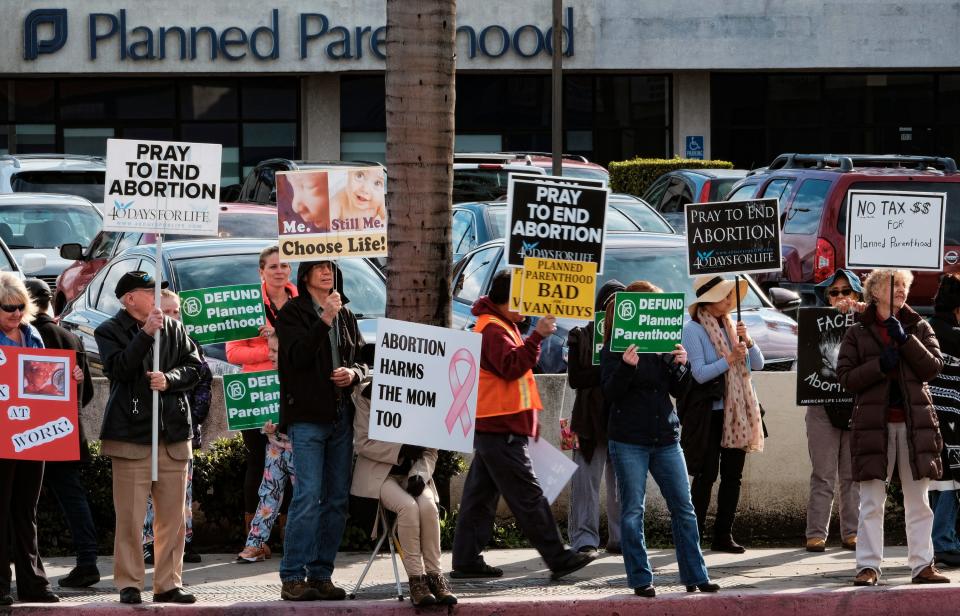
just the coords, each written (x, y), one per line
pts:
(895, 229)
(552, 468)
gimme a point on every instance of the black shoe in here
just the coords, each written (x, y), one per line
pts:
(174, 595)
(81, 576)
(705, 587)
(727, 544)
(588, 549)
(190, 555)
(483, 570)
(576, 562)
(647, 591)
(44, 596)
(6, 599)
(130, 595)
(949, 559)
(148, 553)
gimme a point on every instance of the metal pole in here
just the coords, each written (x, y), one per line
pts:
(556, 99)
(736, 293)
(156, 362)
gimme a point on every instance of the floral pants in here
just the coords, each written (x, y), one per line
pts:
(277, 468)
(187, 510)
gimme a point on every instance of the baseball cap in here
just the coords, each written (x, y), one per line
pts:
(38, 289)
(137, 280)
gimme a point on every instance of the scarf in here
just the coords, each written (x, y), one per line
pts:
(742, 428)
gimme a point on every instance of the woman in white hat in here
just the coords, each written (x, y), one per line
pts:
(721, 413)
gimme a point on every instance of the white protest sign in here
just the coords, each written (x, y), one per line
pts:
(895, 229)
(425, 382)
(162, 187)
(552, 468)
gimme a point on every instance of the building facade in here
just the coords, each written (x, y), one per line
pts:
(742, 80)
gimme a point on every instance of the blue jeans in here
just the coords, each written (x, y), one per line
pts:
(64, 480)
(669, 470)
(323, 457)
(944, 504)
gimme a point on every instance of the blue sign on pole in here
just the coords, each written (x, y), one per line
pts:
(695, 146)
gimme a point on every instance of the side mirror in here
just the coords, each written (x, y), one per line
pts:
(33, 262)
(784, 300)
(71, 252)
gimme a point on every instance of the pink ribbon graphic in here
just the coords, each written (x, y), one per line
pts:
(461, 392)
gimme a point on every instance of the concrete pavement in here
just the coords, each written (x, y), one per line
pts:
(773, 581)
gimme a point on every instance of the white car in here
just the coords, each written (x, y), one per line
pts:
(61, 174)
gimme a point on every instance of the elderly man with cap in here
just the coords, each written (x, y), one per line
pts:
(126, 349)
(63, 478)
(318, 367)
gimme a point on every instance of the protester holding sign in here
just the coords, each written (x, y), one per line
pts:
(828, 437)
(719, 433)
(318, 366)
(126, 348)
(945, 389)
(20, 479)
(507, 407)
(589, 422)
(253, 356)
(886, 361)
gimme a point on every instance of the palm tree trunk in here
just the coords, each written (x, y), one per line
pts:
(420, 94)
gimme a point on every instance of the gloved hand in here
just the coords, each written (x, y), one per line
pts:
(889, 358)
(895, 330)
(415, 485)
(411, 452)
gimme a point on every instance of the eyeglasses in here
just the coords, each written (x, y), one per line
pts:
(13, 307)
(839, 292)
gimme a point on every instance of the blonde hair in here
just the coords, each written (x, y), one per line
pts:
(881, 277)
(169, 294)
(13, 291)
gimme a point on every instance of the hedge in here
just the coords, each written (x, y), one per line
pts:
(635, 176)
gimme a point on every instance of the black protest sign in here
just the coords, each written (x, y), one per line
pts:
(733, 237)
(821, 331)
(566, 222)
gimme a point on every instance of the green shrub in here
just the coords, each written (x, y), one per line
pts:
(635, 176)
(218, 489)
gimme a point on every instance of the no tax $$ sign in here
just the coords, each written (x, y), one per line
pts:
(251, 399)
(222, 314)
(896, 229)
(651, 321)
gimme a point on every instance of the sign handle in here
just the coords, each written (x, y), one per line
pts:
(891, 295)
(736, 293)
(154, 443)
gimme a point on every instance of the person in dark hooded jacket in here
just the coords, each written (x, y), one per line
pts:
(589, 422)
(318, 368)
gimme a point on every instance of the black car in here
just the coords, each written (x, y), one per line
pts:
(671, 191)
(260, 185)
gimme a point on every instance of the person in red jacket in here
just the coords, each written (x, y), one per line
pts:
(254, 356)
(507, 406)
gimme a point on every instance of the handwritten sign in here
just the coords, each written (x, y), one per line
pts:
(895, 229)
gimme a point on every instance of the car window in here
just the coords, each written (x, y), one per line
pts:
(249, 187)
(586, 173)
(744, 193)
(48, 225)
(654, 194)
(720, 187)
(216, 270)
(464, 234)
(107, 302)
(86, 184)
(365, 289)
(266, 185)
(473, 276)
(678, 195)
(479, 184)
(804, 213)
(260, 226)
(642, 215)
(951, 233)
(6, 262)
(778, 189)
(127, 240)
(102, 246)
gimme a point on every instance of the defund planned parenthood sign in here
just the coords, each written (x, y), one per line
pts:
(734, 237)
(162, 187)
(652, 322)
(251, 398)
(896, 229)
(222, 314)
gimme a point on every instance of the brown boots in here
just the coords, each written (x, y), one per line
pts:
(420, 594)
(440, 588)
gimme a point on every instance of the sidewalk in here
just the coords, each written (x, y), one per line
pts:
(771, 581)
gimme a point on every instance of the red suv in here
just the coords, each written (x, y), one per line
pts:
(812, 189)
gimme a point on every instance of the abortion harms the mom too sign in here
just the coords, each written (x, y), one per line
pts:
(897, 229)
(425, 382)
(162, 187)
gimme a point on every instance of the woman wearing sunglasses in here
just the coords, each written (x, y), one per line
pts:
(828, 437)
(20, 480)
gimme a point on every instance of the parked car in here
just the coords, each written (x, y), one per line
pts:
(236, 220)
(198, 264)
(27, 266)
(812, 189)
(671, 191)
(572, 165)
(42, 223)
(61, 174)
(260, 185)
(477, 223)
(483, 176)
(659, 258)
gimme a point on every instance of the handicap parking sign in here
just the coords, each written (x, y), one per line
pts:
(695, 146)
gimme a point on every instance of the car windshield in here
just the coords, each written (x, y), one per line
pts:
(616, 221)
(587, 173)
(86, 184)
(643, 216)
(47, 225)
(665, 268)
(239, 225)
(479, 184)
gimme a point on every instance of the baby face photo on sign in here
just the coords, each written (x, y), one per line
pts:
(43, 378)
(357, 199)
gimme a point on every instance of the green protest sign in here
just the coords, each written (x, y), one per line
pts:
(598, 317)
(651, 321)
(221, 314)
(251, 399)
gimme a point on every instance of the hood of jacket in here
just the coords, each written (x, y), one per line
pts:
(305, 268)
(606, 292)
(820, 290)
(485, 306)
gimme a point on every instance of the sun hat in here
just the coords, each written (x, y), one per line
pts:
(713, 288)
